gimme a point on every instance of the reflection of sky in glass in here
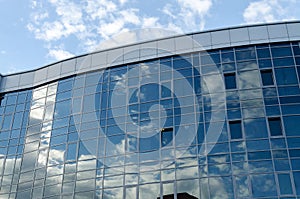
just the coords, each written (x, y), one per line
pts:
(121, 148)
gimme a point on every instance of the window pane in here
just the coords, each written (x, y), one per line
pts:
(263, 185)
(235, 129)
(291, 124)
(230, 81)
(275, 126)
(267, 77)
(285, 184)
(285, 76)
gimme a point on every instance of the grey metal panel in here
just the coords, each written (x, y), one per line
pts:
(83, 63)
(148, 49)
(68, 67)
(26, 79)
(219, 38)
(99, 59)
(202, 40)
(166, 47)
(277, 31)
(239, 36)
(183, 44)
(132, 53)
(258, 33)
(115, 56)
(294, 30)
(40, 76)
(53, 71)
(10, 82)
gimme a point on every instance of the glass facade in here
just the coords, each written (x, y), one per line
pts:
(162, 128)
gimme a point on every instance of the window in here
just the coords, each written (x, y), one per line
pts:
(267, 77)
(1, 98)
(235, 129)
(275, 126)
(230, 81)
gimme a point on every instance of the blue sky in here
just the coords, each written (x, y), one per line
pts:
(35, 33)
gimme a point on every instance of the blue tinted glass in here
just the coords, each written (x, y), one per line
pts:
(255, 145)
(295, 164)
(65, 85)
(263, 185)
(294, 153)
(281, 165)
(149, 92)
(150, 143)
(259, 155)
(264, 63)
(297, 181)
(267, 77)
(245, 55)
(281, 52)
(210, 58)
(285, 184)
(6, 124)
(296, 50)
(263, 53)
(92, 79)
(291, 125)
(293, 142)
(279, 62)
(62, 109)
(227, 57)
(64, 95)
(290, 109)
(255, 128)
(166, 138)
(182, 63)
(11, 99)
(230, 81)
(289, 100)
(285, 76)
(289, 90)
(235, 129)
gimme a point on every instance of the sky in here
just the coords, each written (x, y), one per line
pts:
(36, 33)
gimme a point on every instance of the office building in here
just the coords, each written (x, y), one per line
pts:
(211, 114)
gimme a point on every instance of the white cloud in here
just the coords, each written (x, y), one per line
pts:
(192, 9)
(88, 23)
(122, 2)
(267, 11)
(59, 54)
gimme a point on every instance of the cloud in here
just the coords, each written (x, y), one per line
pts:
(268, 11)
(193, 9)
(59, 54)
(88, 23)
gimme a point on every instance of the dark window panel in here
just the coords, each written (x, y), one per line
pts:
(230, 81)
(267, 77)
(275, 126)
(235, 129)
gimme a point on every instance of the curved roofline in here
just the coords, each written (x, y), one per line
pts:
(153, 49)
(151, 40)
